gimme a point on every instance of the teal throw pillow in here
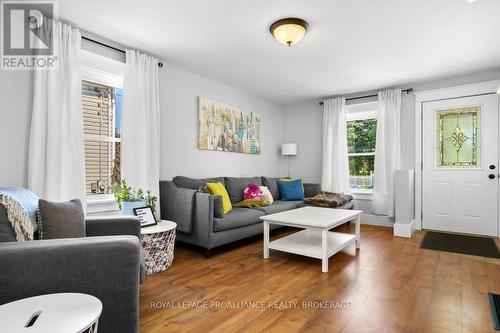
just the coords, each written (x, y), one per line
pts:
(291, 190)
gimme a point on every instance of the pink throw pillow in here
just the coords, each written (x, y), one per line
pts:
(252, 192)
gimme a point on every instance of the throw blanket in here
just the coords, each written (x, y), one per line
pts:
(22, 210)
(328, 199)
(250, 203)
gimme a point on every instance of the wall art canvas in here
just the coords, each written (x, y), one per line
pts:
(227, 128)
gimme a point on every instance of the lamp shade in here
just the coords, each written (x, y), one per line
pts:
(289, 149)
(289, 31)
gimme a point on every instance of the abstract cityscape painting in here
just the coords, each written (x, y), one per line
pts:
(227, 128)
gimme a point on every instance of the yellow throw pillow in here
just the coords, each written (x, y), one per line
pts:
(219, 189)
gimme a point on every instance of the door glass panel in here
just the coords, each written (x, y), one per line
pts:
(458, 137)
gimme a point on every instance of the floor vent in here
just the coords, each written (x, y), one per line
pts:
(495, 309)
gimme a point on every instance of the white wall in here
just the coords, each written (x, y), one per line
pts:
(302, 124)
(16, 98)
(16, 101)
(179, 92)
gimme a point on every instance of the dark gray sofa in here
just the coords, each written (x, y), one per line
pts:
(106, 264)
(193, 211)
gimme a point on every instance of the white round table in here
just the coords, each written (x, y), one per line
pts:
(158, 242)
(54, 313)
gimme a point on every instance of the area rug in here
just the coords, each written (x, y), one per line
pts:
(476, 246)
(495, 309)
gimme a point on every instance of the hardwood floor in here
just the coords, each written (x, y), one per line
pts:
(391, 285)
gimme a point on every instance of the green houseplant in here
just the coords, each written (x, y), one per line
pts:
(129, 198)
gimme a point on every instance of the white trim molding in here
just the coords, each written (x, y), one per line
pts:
(378, 220)
(365, 195)
(436, 95)
(101, 204)
(404, 229)
(98, 69)
(101, 77)
(404, 181)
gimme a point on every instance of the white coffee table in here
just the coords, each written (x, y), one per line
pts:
(316, 240)
(54, 313)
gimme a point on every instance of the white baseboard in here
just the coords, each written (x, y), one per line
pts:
(380, 220)
(404, 229)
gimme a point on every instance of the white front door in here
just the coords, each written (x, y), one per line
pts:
(460, 165)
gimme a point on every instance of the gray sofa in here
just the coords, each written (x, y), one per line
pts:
(106, 264)
(193, 211)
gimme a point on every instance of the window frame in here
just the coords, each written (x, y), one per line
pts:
(101, 203)
(103, 138)
(356, 112)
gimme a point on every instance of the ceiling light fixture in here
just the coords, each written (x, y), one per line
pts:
(289, 31)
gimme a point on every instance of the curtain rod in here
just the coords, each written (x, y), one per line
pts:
(33, 19)
(160, 64)
(409, 90)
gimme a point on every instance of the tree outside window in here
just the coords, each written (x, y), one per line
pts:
(361, 138)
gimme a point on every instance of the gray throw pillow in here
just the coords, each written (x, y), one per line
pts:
(60, 219)
(7, 233)
(194, 183)
(236, 185)
(186, 182)
(272, 185)
(218, 206)
(213, 180)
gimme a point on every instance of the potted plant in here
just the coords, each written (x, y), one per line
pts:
(129, 198)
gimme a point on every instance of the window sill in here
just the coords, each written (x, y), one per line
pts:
(362, 195)
(101, 203)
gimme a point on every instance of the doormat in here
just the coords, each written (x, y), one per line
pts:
(495, 309)
(476, 246)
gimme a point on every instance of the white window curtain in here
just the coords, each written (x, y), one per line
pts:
(140, 142)
(335, 168)
(387, 151)
(56, 167)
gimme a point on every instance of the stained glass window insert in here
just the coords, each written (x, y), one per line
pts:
(458, 137)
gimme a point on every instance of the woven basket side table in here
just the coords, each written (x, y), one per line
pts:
(158, 242)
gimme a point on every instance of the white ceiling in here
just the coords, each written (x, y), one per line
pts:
(351, 46)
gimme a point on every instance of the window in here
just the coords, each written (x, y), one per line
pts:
(102, 108)
(458, 138)
(361, 138)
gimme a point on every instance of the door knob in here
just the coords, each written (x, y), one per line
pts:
(491, 176)
(492, 167)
